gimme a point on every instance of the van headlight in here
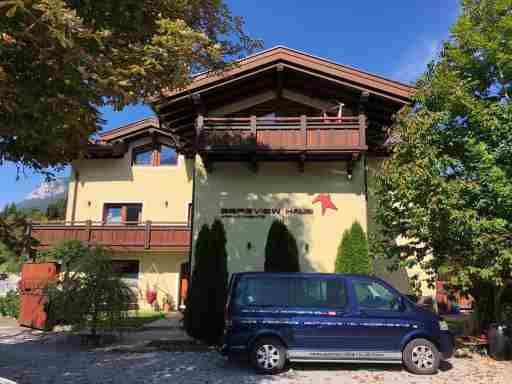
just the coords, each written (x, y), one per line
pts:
(443, 325)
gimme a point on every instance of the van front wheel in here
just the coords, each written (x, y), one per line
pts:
(421, 357)
(268, 356)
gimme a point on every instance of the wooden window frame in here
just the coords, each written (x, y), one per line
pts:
(144, 148)
(155, 155)
(124, 210)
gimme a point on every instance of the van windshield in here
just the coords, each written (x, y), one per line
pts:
(313, 292)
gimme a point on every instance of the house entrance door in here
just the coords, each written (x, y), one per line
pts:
(184, 280)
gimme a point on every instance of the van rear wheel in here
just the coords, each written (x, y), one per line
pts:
(268, 356)
(421, 357)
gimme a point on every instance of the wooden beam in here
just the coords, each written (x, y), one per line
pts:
(346, 84)
(244, 103)
(198, 103)
(307, 100)
(363, 121)
(279, 80)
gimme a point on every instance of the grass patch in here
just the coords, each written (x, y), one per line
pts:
(136, 319)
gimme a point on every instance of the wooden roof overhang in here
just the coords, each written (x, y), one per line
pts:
(274, 74)
(114, 143)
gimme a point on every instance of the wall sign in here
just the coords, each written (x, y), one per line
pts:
(263, 212)
(322, 198)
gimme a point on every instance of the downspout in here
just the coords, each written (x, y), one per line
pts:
(192, 216)
(198, 127)
(75, 192)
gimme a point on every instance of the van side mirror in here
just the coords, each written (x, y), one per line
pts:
(402, 306)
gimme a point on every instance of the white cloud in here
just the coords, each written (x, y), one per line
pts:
(414, 62)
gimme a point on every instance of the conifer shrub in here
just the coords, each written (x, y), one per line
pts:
(204, 312)
(353, 255)
(281, 251)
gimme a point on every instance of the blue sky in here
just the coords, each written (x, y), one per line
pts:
(394, 39)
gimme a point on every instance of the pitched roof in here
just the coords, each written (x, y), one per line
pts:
(129, 130)
(301, 61)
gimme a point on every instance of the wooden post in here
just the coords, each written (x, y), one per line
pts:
(28, 234)
(362, 118)
(199, 128)
(304, 131)
(254, 132)
(147, 235)
(88, 223)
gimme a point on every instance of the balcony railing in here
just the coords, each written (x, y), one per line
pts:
(282, 134)
(121, 236)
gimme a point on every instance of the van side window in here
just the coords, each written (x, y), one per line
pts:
(374, 296)
(319, 292)
(263, 292)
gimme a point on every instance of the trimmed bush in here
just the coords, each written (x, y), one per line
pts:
(281, 251)
(10, 304)
(204, 312)
(219, 276)
(353, 255)
(89, 294)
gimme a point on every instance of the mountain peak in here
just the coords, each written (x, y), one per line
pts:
(49, 189)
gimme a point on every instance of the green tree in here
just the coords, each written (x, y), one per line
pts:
(447, 186)
(16, 245)
(281, 251)
(61, 60)
(204, 313)
(56, 210)
(353, 255)
(89, 294)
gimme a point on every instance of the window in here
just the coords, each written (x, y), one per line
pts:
(154, 156)
(320, 292)
(128, 271)
(168, 156)
(374, 296)
(264, 292)
(291, 292)
(143, 157)
(129, 214)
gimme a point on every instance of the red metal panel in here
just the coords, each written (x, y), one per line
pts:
(34, 279)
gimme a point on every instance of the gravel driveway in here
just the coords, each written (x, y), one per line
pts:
(26, 358)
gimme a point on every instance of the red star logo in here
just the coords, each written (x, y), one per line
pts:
(326, 202)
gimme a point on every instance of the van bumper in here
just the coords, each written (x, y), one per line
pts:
(446, 344)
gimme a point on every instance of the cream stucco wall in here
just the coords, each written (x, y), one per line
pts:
(281, 185)
(117, 181)
(158, 272)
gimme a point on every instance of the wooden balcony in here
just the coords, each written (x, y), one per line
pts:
(282, 135)
(129, 236)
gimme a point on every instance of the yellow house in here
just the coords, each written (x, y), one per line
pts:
(282, 134)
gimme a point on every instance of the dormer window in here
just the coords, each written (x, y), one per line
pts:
(154, 156)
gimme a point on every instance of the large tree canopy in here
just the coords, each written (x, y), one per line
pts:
(60, 60)
(447, 186)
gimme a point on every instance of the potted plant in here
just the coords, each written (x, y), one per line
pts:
(167, 303)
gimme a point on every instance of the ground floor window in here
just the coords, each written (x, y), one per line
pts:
(127, 269)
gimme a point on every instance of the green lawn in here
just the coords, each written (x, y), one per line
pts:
(137, 319)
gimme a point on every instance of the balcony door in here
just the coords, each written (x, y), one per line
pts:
(129, 214)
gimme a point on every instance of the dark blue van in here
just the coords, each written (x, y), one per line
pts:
(311, 317)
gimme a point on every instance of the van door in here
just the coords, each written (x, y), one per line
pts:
(262, 303)
(381, 321)
(321, 310)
